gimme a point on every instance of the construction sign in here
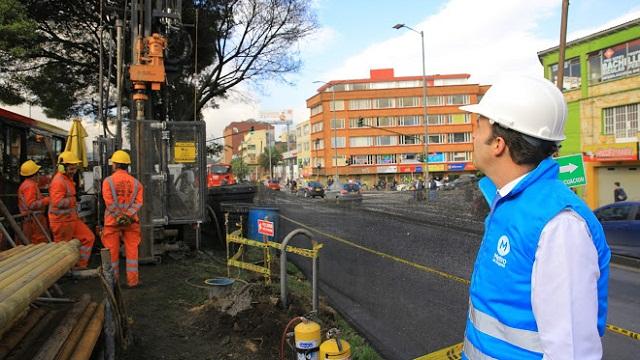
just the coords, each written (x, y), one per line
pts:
(572, 170)
(265, 227)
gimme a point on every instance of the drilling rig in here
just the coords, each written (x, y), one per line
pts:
(169, 156)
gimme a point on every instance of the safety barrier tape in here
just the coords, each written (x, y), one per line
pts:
(453, 352)
(612, 328)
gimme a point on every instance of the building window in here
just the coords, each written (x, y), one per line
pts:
(449, 119)
(408, 102)
(459, 156)
(387, 140)
(614, 62)
(410, 157)
(305, 146)
(316, 110)
(437, 138)
(622, 122)
(460, 137)
(410, 139)
(337, 142)
(386, 159)
(410, 120)
(435, 100)
(315, 127)
(360, 141)
(361, 104)
(385, 103)
(571, 78)
(384, 121)
(337, 123)
(305, 129)
(318, 144)
(341, 160)
(457, 99)
(339, 105)
(363, 159)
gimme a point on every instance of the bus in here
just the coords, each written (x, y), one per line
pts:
(22, 139)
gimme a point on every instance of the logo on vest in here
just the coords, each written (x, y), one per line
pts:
(503, 249)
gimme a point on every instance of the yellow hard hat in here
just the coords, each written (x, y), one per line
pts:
(68, 157)
(29, 168)
(121, 157)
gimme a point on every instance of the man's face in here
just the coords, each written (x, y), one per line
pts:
(481, 151)
(71, 169)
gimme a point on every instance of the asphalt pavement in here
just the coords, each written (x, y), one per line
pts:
(398, 270)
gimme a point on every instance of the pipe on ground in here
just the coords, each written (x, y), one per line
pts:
(92, 332)
(74, 337)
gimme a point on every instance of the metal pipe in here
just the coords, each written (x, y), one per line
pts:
(6, 235)
(26, 265)
(17, 333)
(283, 269)
(19, 262)
(563, 43)
(12, 222)
(119, 64)
(55, 300)
(11, 252)
(42, 228)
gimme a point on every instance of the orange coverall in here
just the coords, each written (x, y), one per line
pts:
(29, 200)
(122, 195)
(63, 217)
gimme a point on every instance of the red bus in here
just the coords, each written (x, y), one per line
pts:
(22, 139)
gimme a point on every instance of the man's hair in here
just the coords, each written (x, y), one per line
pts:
(122, 166)
(524, 149)
(616, 183)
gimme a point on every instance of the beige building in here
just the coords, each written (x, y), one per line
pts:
(303, 148)
(252, 145)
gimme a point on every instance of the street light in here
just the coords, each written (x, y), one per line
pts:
(335, 127)
(424, 100)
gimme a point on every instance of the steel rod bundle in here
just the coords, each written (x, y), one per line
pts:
(28, 272)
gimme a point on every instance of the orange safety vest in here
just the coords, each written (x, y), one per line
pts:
(62, 192)
(122, 195)
(29, 197)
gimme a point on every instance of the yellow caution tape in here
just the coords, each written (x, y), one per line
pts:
(449, 353)
(625, 332)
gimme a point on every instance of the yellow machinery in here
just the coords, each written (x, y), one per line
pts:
(307, 338)
(335, 349)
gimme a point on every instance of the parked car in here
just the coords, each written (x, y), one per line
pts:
(621, 223)
(219, 175)
(463, 180)
(345, 192)
(272, 184)
(311, 189)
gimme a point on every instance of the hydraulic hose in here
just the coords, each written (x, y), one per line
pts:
(284, 334)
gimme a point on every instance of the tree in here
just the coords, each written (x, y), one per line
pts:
(276, 157)
(240, 168)
(49, 51)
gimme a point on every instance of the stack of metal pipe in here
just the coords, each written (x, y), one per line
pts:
(26, 272)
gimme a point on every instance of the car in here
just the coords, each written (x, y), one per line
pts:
(463, 180)
(345, 192)
(272, 184)
(311, 189)
(219, 175)
(621, 224)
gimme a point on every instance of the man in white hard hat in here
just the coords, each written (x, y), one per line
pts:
(539, 285)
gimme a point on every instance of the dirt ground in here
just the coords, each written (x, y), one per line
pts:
(173, 317)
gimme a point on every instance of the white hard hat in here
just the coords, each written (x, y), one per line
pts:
(529, 105)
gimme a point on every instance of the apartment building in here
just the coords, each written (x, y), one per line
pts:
(303, 148)
(372, 129)
(234, 134)
(602, 89)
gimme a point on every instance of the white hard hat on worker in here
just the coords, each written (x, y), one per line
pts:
(529, 105)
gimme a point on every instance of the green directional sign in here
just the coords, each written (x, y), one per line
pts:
(572, 170)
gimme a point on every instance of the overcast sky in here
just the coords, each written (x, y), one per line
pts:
(482, 38)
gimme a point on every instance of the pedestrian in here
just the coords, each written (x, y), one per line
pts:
(618, 193)
(63, 216)
(30, 200)
(433, 188)
(419, 185)
(539, 285)
(122, 195)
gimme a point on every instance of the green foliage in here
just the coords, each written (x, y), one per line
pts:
(276, 157)
(240, 168)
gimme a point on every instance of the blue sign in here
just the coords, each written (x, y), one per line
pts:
(436, 157)
(456, 167)
(418, 169)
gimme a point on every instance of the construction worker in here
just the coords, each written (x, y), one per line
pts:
(31, 200)
(63, 216)
(122, 195)
(539, 284)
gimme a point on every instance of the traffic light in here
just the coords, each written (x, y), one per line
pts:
(360, 122)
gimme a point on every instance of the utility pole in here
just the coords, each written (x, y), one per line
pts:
(563, 43)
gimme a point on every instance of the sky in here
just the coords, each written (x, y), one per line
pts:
(482, 38)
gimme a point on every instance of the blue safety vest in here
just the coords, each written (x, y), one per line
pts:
(501, 324)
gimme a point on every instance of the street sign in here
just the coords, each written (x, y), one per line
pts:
(572, 170)
(265, 227)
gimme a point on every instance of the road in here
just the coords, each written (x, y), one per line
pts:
(403, 283)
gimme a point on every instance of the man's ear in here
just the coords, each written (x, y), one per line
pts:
(499, 146)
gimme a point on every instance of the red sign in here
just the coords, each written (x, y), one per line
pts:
(611, 152)
(265, 227)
